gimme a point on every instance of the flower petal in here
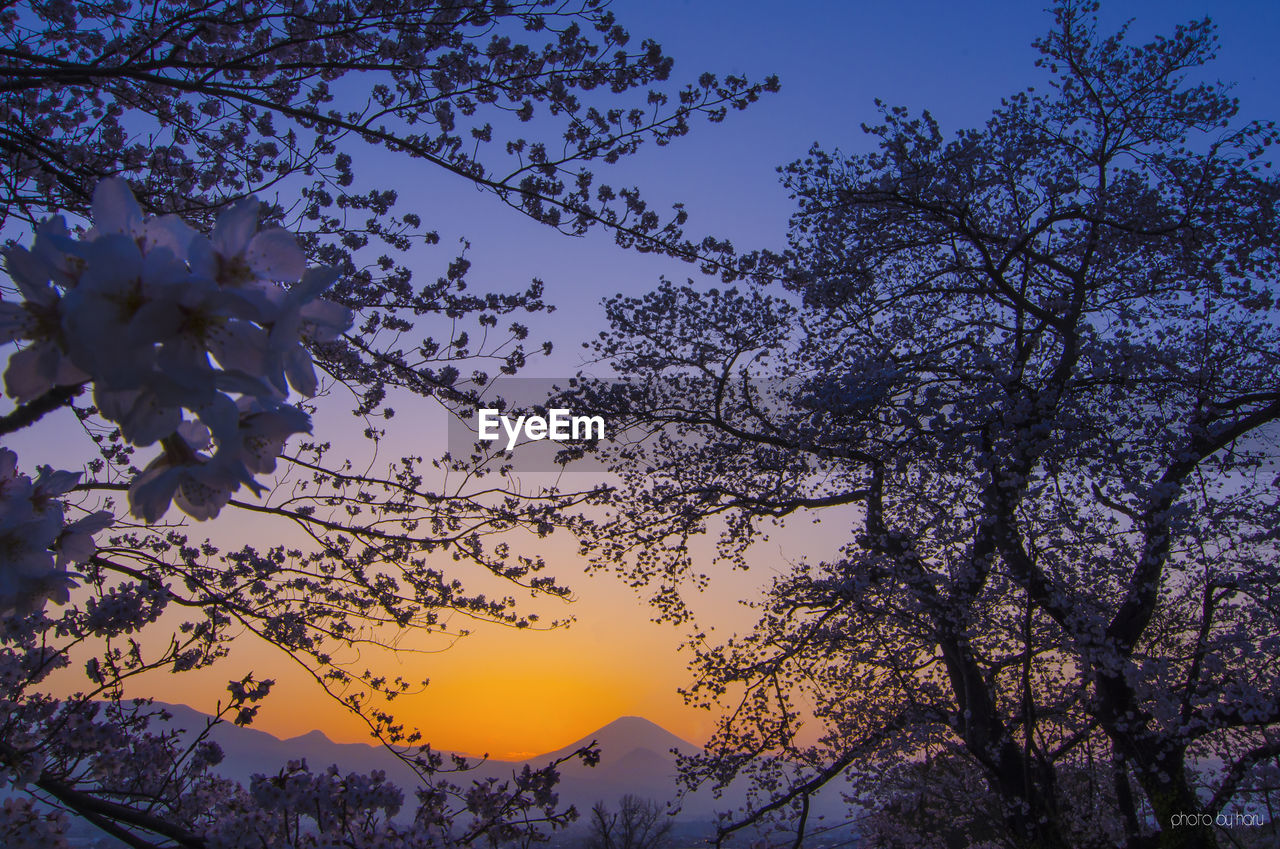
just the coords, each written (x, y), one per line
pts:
(152, 491)
(15, 321)
(31, 371)
(276, 255)
(52, 483)
(115, 210)
(236, 227)
(299, 370)
(32, 273)
(324, 321)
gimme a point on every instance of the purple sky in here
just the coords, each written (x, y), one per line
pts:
(834, 59)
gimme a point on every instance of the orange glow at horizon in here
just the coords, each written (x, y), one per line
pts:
(507, 693)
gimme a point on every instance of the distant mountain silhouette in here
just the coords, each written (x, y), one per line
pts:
(635, 758)
(247, 751)
(626, 733)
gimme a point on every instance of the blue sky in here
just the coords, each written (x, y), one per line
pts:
(834, 59)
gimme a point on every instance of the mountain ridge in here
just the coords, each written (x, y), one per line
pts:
(644, 732)
(635, 758)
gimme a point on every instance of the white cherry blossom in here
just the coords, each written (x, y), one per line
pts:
(172, 328)
(36, 547)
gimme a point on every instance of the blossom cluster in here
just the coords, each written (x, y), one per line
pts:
(26, 827)
(188, 340)
(36, 542)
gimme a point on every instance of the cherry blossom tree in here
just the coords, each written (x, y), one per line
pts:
(198, 105)
(1026, 378)
(193, 344)
(208, 264)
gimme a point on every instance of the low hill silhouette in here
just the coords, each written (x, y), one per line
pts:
(635, 758)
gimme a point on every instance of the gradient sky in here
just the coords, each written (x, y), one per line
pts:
(519, 693)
